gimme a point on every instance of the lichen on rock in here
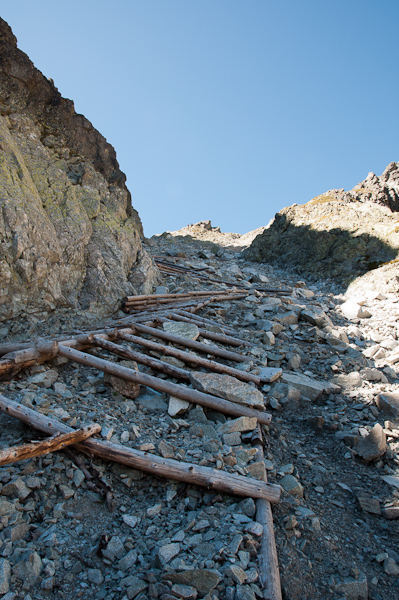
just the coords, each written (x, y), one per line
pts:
(69, 235)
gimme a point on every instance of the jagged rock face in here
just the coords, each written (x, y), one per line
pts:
(338, 234)
(69, 235)
(382, 190)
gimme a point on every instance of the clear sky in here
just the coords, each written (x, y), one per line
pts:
(226, 110)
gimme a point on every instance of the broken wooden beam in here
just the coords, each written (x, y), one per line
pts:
(52, 444)
(187, 357)
(156, 465)
(179, 391)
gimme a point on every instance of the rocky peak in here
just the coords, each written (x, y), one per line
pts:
(382, 190)
(338, 234)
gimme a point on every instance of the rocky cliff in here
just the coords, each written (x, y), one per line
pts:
(69, 235)
(339, 234)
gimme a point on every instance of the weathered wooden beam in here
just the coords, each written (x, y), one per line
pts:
(156, 465)
(192, 359)
(269, 573)
(181, 341)
(143, 359)
(179, 296)
(223, 338)
(179, 391)
(56, 442)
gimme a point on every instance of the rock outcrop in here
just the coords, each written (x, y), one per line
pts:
(338, 234)
(69, 235)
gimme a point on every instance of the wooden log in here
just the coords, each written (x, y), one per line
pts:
(146, 305)
(156, 465)
(181, 341)
(47, 346)
(56, 442)
(149, 361)
(216, 337)
(180, 295)
(13, 347)
(219, 299)
(269, 574)
(179, 391)
(190, 358)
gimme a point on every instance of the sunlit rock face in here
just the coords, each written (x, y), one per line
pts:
(339, 234)
(68, 233)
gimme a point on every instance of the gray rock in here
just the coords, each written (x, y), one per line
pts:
(309, 387)
(374, 445)
(389, 403)
(177, 407)
(369, 504)
(167, 552)
(289, 318)
(316, 317)
(115, 549)
(17, 488)
(95, 576)
(247, 507)
(5, 572)
(244, 592)
(130, 520)
(241, 424)
(228, 388)
(129, 389)
(254, 528)
(373, 375)
(29, 569)
(236, 573)
(232, 439)
(6, 508)
(269, 374)
(185, 330)
(203, 580)
(186, 592)
(353, 589)
(152, 402)
(390, 566)
(292, 486)
(45, 379)
(128, 561)
(390, 512)
(136, 586)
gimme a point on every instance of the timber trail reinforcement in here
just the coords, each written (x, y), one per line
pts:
(233, 436)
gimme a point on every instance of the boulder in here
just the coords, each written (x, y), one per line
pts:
(227, 387)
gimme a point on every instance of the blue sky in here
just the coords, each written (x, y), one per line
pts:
(226, 110)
